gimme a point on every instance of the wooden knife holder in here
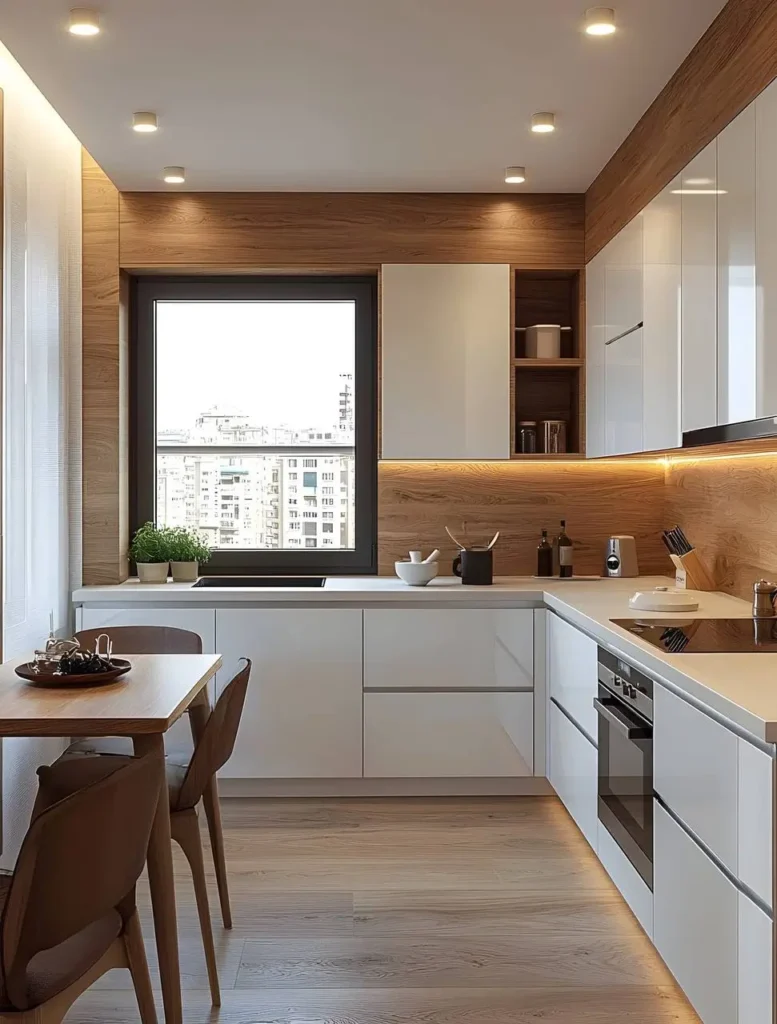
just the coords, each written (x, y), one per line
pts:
(692, 573)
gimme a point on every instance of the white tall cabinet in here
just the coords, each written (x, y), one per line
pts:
(766, 249)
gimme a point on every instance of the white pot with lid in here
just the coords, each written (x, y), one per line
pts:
(543, 341)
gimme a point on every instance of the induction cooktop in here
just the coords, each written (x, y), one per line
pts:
(676, 635)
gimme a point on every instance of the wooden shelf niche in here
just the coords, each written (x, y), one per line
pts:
(549, 389)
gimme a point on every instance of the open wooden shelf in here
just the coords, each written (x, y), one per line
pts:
(545, 364)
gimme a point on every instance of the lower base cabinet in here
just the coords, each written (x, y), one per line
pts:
(572, 771)
(755, 964)
(448, 735)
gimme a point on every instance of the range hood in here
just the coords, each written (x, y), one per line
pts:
(723, 433)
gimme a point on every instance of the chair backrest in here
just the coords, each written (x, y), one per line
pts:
(217, 741)
(79, 860)
(145, 639)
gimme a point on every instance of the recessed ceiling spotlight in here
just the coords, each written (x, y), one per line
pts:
(515, 175)
(144, 121)
(174, 175)
(600, 21)
(698, 181)
(699, 192)
(84, 22)
(543, 122)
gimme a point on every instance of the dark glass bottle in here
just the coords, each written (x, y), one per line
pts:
(545, 556)
(565, 553)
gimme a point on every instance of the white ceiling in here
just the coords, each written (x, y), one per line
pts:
(374, 95)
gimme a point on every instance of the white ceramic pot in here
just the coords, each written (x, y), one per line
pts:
(153, 572)
(416, 574)
(185, 572)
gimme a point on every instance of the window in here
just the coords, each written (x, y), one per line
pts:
(249, 376)
(328, 527)
(310, 529)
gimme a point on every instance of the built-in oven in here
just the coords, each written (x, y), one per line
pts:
(625, 794)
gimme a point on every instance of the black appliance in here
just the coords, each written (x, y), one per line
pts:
(724, 433)
(625, 787)
(676, 635)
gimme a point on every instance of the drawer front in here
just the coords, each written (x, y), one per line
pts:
(755, 981)
(573, 771)
(572, 672)
(755, 820)
(695, 773)
(440, 735)
(449, 648)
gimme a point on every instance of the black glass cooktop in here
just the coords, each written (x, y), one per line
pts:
(675, 635)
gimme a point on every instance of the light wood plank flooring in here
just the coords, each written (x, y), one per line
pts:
(411, 912)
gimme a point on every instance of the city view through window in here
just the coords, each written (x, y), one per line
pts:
(255, 422)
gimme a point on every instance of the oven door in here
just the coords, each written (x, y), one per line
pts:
(625, 803)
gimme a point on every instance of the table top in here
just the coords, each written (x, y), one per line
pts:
(148, 699)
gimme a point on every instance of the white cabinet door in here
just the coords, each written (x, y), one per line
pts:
(695, 922)
(441, 735)
(596, 328)
(623, 394)
(766, 248)
(572, 771)
(695, 767)
(756, 958)
(572, 673)
(624, 280)
(303, 713)
(755, 820)
(737, 348)
(700, 290)
(445, 361)
(448, 649)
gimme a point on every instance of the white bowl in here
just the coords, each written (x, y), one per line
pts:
(416, 574)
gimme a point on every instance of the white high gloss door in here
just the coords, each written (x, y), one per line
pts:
(755, 828)
(737, 344)
(303, 713)
(623, 394)
(756, 958)
(449, 648)
(700, 290)
(766, 249)
(624, 266)
(573, 771)
(573, 673)
(448, 735)
(446, 351)
(695, 922)
(595, 338)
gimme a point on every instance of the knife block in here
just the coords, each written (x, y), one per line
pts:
(692, 573)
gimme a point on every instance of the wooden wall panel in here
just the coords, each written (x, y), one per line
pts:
(417, 500)
(733, 61)
(233, 231)
(105, 515)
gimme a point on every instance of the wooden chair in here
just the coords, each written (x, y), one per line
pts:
(145, 639)
(187, 785)
(68, 911)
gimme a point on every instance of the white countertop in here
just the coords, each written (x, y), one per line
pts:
(742, 688)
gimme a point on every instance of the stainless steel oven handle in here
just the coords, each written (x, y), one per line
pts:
(621, 723)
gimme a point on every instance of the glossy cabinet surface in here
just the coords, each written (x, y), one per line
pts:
(596, 335)
(766, 249)
(755, 829)
(572, 673)
(573, 771)
(445, 350)
(754, 981)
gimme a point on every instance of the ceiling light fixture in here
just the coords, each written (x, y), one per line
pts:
(174, 175)
(699, 192)
(543, 122)
(144, 121)
(84, 22)
(515, 175)
(699, 181)
(600, 21)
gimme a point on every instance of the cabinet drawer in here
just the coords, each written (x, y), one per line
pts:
(573, 772)
(755, 820)
(439, 735)
(755, 964)
(695, 773)
(572, 672)
(449, 649)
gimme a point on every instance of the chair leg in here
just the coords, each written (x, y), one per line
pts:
(210, 801)
(138, 965)
(186, 832)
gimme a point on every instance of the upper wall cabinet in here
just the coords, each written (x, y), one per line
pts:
(446, 351)
(766, 249)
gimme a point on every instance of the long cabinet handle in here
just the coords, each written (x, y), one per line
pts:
(625, 334)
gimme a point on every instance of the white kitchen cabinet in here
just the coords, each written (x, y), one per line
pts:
(695, 922)
(449, 648)
(303, 713)
(766, 249)
(627, 880)
(623, 287)
(755, 820)
(596, 335)
(573, 771)
(695, 768)
(573, 673)
(623, 394)
(446, 350)
(700, 290)
(738, 369)
(756, 959)
(448, 735)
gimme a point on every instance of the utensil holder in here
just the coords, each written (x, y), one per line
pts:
(692, 573)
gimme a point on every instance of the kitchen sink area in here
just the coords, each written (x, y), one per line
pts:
(255, 582)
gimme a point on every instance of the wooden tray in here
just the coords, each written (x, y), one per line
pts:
(53, 679)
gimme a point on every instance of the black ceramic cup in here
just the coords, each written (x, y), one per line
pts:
(475, 566)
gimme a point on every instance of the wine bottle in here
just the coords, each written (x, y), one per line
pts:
(565, 553)
(545, 556)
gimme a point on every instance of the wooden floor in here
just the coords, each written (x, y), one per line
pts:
(412, 912)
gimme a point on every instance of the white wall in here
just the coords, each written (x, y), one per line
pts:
(41, 396)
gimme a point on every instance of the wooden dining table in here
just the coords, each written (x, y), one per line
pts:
(142, 705)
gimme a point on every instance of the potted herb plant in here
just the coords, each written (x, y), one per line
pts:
(187, 551)
(149, 552)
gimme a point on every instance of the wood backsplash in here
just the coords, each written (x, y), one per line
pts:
(418, 499)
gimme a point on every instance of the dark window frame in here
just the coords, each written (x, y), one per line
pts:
(363, 290)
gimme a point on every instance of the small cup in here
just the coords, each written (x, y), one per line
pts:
(475, 566)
